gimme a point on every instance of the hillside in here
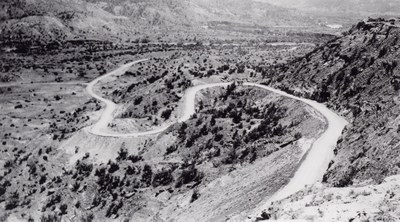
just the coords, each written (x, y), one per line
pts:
(201, 12)
(357, 75)
(44, 20)
(322, 203)
(389, 7)
(341, 14)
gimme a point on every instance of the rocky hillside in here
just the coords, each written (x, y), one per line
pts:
(357, 75)
(201, 12)
(358, 6)
(321, 203)
(46, 20)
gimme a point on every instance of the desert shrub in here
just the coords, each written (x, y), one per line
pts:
(3, 190)
(147, 175)
(138, 100)
(114, 208)
(12, 202)
(195, 196)
(122, 153)
(8, 164)
(218, 137)
(113, 167)
(63, 209)
(132, 170)
(84, 168)
(134, 158)
(50, 218)
(166, 114)
(182, 131)
(42, 179)
(55, 199)
(171, 149)
(87, 218)
(190, 174)
(162, 178)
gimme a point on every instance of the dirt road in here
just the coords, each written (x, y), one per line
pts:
(312, 168)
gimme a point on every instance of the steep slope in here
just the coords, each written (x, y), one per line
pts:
(341, 13)
(200, 12)
(359, 6)
(320, 203)
(252, 12)
(147, 12)
(43, 20)
(123, 19)
(358, 75)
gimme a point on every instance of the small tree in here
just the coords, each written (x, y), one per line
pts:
(195, 196)
(147, 175)
(122, 153)
(166, 114)
(113, 167)
(63, 209)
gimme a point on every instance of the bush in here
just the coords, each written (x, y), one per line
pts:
(166, 114)
(162, 178)
(297, 136)
(84, 168)
(147, 175)
(134, 158)
(138, 100)
(88, 218)
(12, 202)
(195, 196)
(63, 209)
(50, 218)
(113, 167)
(122, 153)
(188, 175)
(171, 149)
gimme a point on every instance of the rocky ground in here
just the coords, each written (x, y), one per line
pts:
(75, 174)
(241, 147)
(378, 202)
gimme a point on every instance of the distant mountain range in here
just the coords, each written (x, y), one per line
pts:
(65, 19)
(376, 7)
(46, 20)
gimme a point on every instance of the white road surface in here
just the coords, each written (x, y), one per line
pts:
(108, 113)
(312, 168)
(100, 127)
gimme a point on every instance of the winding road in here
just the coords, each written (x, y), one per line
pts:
(312, 167)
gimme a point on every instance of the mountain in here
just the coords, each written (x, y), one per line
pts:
(377, 7)
(201, 12)
(43, 20)
(251, 12)
(358, 76)
(47, 20)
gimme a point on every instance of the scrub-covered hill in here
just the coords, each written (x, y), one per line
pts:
(357, 75)
(45, 20)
